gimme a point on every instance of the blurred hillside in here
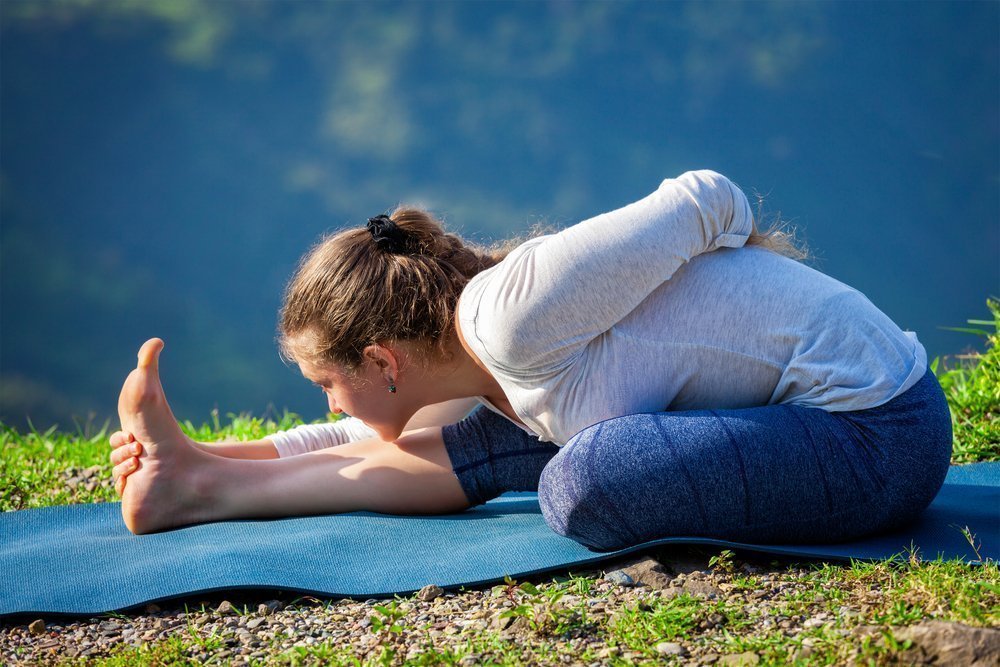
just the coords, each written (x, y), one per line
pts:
(163, 165)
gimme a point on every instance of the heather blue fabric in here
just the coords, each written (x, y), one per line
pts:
(766, 475)
(81, 559)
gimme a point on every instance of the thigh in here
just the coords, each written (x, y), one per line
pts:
(490, 455)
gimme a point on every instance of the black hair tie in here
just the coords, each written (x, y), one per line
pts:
(387, 234)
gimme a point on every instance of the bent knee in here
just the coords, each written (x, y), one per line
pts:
(575, 505)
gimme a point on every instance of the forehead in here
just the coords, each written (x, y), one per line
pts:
(321, 373)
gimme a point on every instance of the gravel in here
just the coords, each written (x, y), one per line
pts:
(253, 627)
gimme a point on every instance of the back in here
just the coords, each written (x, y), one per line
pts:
(733, 328)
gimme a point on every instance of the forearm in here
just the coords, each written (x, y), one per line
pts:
(321, 436)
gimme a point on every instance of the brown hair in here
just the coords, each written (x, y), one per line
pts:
(778, 237)
(348, 293)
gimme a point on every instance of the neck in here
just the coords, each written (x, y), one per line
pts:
(465, 376)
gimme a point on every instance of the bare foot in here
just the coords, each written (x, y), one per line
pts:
(160, 492)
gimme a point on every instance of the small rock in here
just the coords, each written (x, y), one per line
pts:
(670, 648)
(944, 643)
(37, 627)
(108, 627)
(699, 588)
(272, 605)
(429, 592)
(739, 659)
(683, 563)
(225, 608)
(619, 577)
(502, 622)
(90, 472)
(152, 608)
(650, 572)
(803, 654)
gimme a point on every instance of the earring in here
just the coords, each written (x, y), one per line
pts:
(392, 387)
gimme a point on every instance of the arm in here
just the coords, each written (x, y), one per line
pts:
(555, 294)
(312, 437)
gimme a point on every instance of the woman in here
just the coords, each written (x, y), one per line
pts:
(657, 370)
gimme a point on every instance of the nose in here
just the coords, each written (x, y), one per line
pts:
(332, 404)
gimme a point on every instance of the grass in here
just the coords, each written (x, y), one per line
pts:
(578, 618)
(972, 385)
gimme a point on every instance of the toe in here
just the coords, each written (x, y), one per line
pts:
(125, 468)
(149, 353)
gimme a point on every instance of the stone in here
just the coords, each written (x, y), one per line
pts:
(619, 577)
(699, 588)
(254, 623)
(650, 572)
(152, 608)
(226, 607)
(682, 562)
(945, 643)
(803, 654)
(739, 659)
(670, 648)
(37, 627)
(429, 592)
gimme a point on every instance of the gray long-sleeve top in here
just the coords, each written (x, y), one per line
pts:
(659, 306)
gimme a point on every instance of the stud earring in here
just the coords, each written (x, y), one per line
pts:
(392, 388)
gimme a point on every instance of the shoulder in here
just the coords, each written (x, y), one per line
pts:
(488, 316)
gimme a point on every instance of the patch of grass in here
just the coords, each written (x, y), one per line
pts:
(35, 466)
(972, 385)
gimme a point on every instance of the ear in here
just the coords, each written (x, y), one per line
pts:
(383, 358)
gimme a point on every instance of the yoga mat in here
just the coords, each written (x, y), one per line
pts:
(80, 559)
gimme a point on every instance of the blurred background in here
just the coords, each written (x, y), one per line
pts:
(164, 164)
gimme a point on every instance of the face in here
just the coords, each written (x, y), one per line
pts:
(364, 395)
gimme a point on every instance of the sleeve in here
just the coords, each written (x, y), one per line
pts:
(541, 305)
(310, 437)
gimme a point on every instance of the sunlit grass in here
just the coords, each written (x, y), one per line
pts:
(972, 386)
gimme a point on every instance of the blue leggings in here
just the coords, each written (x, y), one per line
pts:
(773, 474)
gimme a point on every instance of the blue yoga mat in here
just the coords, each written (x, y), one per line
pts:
(80, 559)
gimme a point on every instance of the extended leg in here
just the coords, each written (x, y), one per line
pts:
(177, 484)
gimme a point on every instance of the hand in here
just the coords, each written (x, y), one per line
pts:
(124, 457)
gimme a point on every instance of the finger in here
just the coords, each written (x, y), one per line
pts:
(120, 486)
(122, 453)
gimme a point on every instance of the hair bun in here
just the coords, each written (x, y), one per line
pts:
(388, 236)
